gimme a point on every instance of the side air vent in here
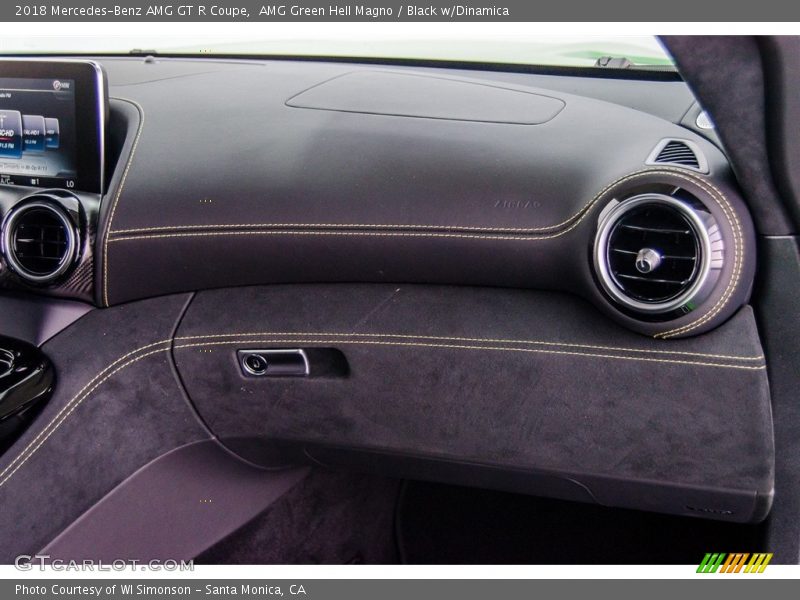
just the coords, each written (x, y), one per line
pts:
(40, 242)
(681, 153)
(653, 253)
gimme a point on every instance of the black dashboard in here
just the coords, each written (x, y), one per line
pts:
(573, 249)
(227, 173)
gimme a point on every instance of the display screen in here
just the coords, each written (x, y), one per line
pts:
(37, 132)
(52, 124)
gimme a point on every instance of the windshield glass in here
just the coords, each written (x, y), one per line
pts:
(485, 44)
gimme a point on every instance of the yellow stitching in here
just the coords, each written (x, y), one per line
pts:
(117, 196)
(710, 188)
(468, 339)
(738, 260)
(338, 233)
(74, 398)
(355, 233)
(581, 213)
(86, 391)
(371, 234)
(719, 198)
(77, 404)
(464, 228)
(464, 347)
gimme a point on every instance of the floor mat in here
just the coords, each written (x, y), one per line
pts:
(442, 524)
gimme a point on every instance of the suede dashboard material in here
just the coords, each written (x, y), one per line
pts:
(507, 379)
(116, 406)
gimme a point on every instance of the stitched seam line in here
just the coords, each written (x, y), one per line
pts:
(74, 406)
(738, 259)
(117, 196)
(465, 228)
(469, 339)
(468, 347)
(56, 421)
(338, 233)
(126, 361)
(351, 233)
(708, 187)
(547, 228)
(579, 215)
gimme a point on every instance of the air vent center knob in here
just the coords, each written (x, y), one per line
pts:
(647, 260)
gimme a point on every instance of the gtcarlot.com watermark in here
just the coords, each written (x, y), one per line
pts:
(42, 562)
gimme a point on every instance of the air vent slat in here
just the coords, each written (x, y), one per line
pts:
(668, 256)
(41, 241)
(653, 252)
(663, 230)
(21, 256)
(652, 279)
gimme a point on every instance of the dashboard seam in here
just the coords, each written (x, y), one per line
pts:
(517, 89)
(714, 192)
(323, 340)
(73, 403)
(340, 338)
(580, 214)
(454, 228)
(470, 339)
(119, 193)
(340, 233)
(738, 259)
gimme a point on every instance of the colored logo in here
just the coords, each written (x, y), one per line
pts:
(741, 562)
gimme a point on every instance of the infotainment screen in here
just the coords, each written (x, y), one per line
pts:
(51, 124)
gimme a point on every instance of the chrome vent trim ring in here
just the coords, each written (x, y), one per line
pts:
(10, 250)
(706, 250)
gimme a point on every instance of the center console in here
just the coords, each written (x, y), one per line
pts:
(53, 117)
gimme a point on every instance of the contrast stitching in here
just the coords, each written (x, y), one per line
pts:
(293, 338)
(76, 400)
(117, 196)
(339, 233)
(738, 260)
(466, 347)
(469, 339)
(126, 238)
(465, 228)
(455, 228)
(711, 189)
(581, 212)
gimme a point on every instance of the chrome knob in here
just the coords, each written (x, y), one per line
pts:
(647, 260)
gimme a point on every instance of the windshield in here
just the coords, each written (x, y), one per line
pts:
(485, 44)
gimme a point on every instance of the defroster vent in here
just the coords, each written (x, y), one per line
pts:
(680, 153)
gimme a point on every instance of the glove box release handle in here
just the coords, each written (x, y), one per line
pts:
(280, 362)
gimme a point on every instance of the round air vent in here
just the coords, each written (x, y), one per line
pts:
(40, 242)
(653, 253)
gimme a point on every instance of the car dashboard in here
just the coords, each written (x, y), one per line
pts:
(519, 281)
